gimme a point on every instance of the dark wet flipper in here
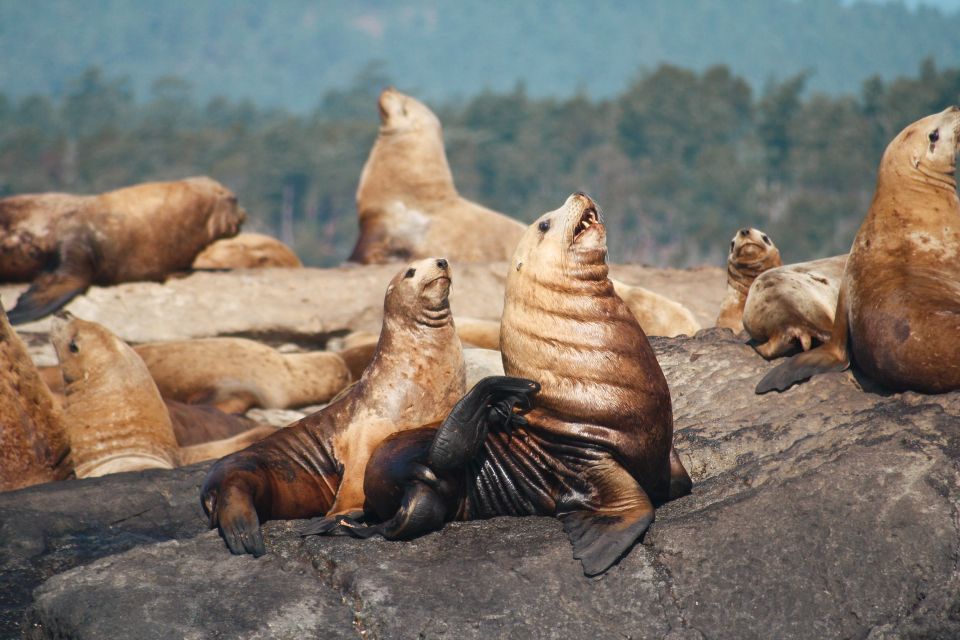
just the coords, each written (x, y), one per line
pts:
(422, 511)
(799, 368)
(49, 292)
(327, 524)
(489, 403)
(603, 532)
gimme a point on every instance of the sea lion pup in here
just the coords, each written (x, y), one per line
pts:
(793, 304)
(144, 232)
(407, 202)
(751, 253)
(247, 251)
(235, 374)
(115, 418)
(33, 443)
(595, 446)
(316, 465)
(898, 312)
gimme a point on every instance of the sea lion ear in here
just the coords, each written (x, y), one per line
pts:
(915, 160)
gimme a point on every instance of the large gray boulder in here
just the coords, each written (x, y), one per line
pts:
(826, 511)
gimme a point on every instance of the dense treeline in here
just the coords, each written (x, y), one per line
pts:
(679, 161)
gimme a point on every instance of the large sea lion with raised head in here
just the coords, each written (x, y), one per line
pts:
(115, 418)
(33, 441)
(247, 251)
(752, 252)
(65, 243)
(595, 446)
(898, 312)
(793, 305)
(317, 465)
(407, 202)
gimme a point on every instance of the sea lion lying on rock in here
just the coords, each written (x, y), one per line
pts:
(317, 465)
(114, 416)
(752, 252)
(898, 312)
(793, 304)
(594, 447)
(235, 374)
(65, 243)
(247, 251)
(407, 203)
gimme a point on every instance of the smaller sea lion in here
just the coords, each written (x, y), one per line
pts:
(33, 442)
(235, 374)
(407, 202)
(793, 304)
(247, 251)
(115, 418)
(144, 232)
(657, 315)
(898, 310)
(752, 252)
(317, 465)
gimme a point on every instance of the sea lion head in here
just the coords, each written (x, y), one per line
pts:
(399, 113)
(929, 147)
(85, 350)
(224, 215)
(570, 243)
(421, 292)
(751, 250)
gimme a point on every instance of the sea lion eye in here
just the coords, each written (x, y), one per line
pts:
(765, 238)
(410, 273)
(74, 348)
(731, 245)
(934, 135)
(544, 226)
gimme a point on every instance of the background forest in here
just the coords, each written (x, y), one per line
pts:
(678, 161)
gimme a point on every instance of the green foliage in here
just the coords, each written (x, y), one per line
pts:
(678, 161)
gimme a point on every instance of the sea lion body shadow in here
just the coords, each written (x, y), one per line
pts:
(316, 466)
(594, 443)
(898, 311)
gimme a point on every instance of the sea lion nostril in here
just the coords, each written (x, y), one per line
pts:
(442, 263)
(744, 232)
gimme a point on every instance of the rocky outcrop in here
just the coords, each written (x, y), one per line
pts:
(826, 511)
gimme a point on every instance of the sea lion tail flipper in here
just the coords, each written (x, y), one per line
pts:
(49, 292)
(601, 535)
(489, 404)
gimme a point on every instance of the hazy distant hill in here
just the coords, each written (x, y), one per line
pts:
(290, 52)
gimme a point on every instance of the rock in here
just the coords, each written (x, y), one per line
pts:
(826, 511)
(482, 363)
(310, 306)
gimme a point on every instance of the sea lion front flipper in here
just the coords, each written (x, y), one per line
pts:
(489, 404)
(49, 292)
(830, 356)
(229, 505)
(602, 534)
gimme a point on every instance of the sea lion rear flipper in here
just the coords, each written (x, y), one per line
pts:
(601, 535)
(489, 404)
(49, 292)
(830, 356)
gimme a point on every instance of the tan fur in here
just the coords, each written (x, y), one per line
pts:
(239, 373)
(752, 253)
(407, 201)
(793, 304)
(247, 251)
(116, 420)
(33, 442)
(657, 315)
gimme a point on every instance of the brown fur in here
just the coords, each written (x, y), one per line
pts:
(752, 253)
(316, 465)
(793, 305)
(898, 312)
(235, 374)
(247, 251)
(407, 201)
(33, 442)
(146, 232)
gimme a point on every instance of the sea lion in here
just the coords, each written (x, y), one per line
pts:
(407, 202)
(594, 447)
(657, 315)
(752, 252)
(115, 418)
(33, 442)
(247, 251)
(793, 304)
(145, 232)
(898, 312)
(235, 374)
(316, 465)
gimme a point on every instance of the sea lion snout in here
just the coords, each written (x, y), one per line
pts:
(442, 263)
